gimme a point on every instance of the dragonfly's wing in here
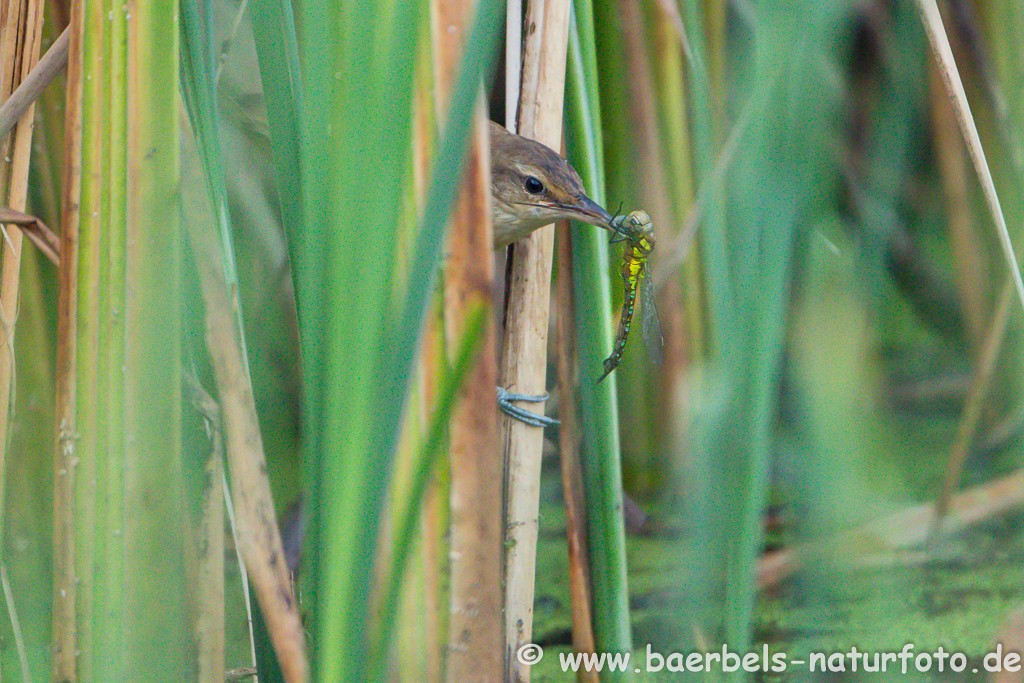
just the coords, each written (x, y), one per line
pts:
(651, 323)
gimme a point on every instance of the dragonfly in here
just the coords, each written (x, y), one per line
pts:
(637, 231)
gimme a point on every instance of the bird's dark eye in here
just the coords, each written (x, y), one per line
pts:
(533, 186)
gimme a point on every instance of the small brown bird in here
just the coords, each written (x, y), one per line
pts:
(532, 186)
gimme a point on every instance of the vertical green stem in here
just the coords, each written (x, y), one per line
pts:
(602, 470)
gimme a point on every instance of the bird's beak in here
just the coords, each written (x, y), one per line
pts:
(590, 212)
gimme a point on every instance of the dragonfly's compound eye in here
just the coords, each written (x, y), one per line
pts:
(533, 186)
(639, 219)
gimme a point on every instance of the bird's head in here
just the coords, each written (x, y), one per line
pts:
(532, 186)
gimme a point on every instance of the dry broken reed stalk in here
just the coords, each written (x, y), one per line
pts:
(474, 630)
(524, 354)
